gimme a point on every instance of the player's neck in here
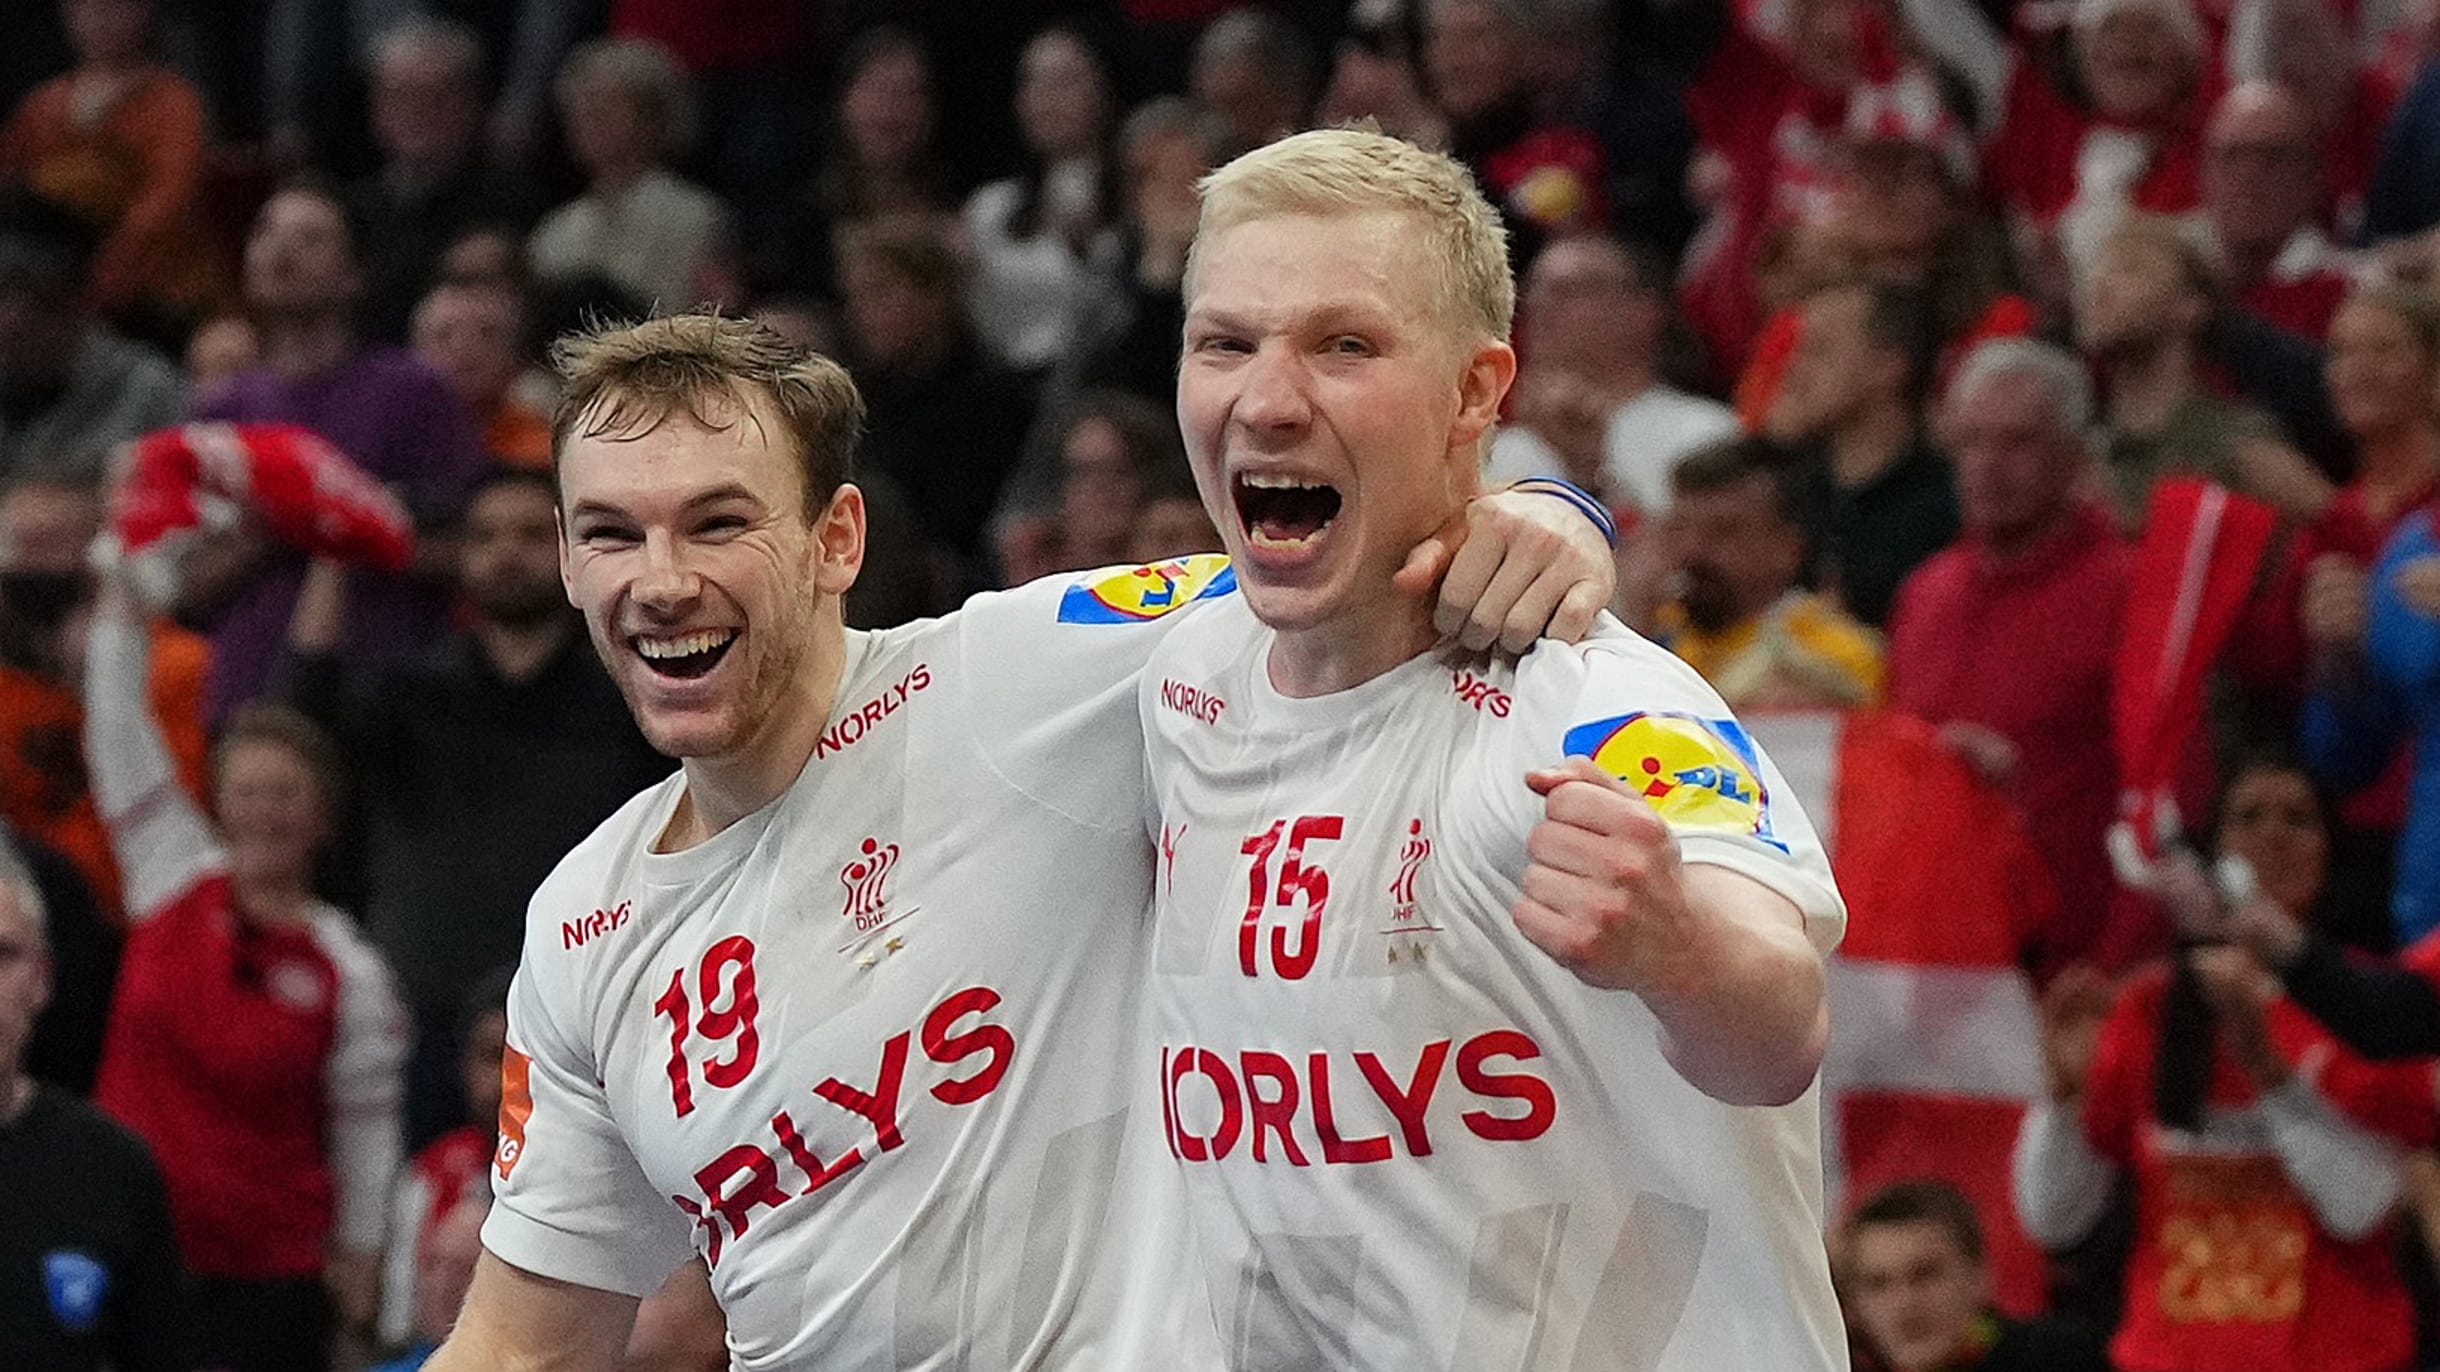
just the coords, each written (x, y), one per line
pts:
(725, 789)
(1343, 653)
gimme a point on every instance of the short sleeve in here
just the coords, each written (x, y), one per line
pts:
(1648, 719)
(569, 1200)
(1049, 680)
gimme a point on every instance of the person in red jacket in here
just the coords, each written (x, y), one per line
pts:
(2264, 1155)
(256, 1042)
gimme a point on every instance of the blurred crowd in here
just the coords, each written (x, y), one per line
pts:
(2025, 412)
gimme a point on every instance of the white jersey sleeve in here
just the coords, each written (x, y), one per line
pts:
(583, 1210)
(1645, 717)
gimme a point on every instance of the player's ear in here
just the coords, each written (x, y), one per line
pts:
(838, 541)
(1490, 370)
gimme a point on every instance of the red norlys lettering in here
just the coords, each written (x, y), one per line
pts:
(1211, 1102)
(574, 933)
(766, 1173)
(1481, 694)
(852, 727)
(1193, 702)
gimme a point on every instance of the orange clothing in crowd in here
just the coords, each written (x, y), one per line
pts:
(514, 434)
(130, 161)
(43, 790)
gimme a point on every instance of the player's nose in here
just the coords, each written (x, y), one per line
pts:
(1272, 393)
(666, 581)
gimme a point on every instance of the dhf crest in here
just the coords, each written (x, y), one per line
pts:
(867, 882)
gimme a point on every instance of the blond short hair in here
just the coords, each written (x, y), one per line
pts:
(628, 380)
(1359, 171)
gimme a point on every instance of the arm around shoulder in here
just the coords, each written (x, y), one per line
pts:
(517, 1321)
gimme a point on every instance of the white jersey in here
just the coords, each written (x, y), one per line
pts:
(1414, 1142)
(865, 1050)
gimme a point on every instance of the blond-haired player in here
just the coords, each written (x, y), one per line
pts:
(842, 1008)
(1489, 995)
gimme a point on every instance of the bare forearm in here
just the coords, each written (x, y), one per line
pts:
(1751, 1028)
(515, 1321)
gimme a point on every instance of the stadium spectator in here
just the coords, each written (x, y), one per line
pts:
(1255, 77)
(82, 944)
(70, 390)
(1737, 544)
(2262, 191)
(222, 348)
(2140, 319)
(1117, 452)
(89, 1273)
(474, 336)
(445, 1173)
(444, 1261)
(1375, 74)
(883, 156)
(45, 594)
(121, 140)
(255, 1040)
(2007, 638)
(945, 422)
(2262, 1154)
(501, 747)
(629, 113)
(1545, 176)
(435, 182)
(1591, 405)
(1882, 497)
(1035, 235)
(747, 61)
(388, 412)
(2312, 49)
(1910, 1266)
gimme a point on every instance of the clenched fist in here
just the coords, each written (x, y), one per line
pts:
(1604, 894)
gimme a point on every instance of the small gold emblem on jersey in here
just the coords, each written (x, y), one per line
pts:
(1698, 773)
(1147, 592)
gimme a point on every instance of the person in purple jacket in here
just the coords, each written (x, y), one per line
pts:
(393, 415)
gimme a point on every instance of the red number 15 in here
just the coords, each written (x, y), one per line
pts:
(731, 960)
(1296, 882)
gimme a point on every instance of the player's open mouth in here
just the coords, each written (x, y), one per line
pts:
(1279, 511)
(684, 656)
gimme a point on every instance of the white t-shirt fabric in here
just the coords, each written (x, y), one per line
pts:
(1646, 439)
(866, 1050)
(1411, 1139)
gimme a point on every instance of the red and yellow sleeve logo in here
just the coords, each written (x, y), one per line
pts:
(516, 1107)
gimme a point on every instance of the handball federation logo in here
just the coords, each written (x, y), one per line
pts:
(1147, 592)
(1698, 773)
(866, 880)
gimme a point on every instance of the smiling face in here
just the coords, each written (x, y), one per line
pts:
(704, 584)
(2379, 373)
(1332, 413)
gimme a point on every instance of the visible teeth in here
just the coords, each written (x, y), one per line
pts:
(1275, 481)
(1259, 539)
(685, 645)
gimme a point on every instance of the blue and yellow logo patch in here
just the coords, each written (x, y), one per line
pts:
(1142, 593)
(1698, 773)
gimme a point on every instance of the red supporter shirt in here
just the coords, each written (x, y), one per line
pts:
(2303, 304)
(2031, 163)
(2026, 648)
(2229, 1268)
(224, 1043)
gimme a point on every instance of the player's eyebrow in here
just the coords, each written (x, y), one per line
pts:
(720, 494)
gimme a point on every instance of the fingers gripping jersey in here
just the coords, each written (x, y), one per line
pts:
(863, 1051)
(1412, 1140)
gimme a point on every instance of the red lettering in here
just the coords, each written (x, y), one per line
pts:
(852, 727)
(1326, 1124)
(947, 1049)
(1169, 1107)
(1277, 1114)
(817, 1175)
(1499, 704)
(1232, 1110)
(1408, 1105)
(760, 1187)
(919, 678)
(1540, 1107)
(880, 1105)
(872, 713)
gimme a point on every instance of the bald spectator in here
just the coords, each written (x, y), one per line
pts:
(1737, 544)
(2262, 191)
(88, 1266)
(1590, 402)
(434, 183)
(2140, 319)
(2007, 638)
(70, 390)
(390, 413)
(1255, 76)
(1882, 498)
(475, 337)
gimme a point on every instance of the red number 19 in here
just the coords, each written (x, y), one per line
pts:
(730, 961)
(1296, 881)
